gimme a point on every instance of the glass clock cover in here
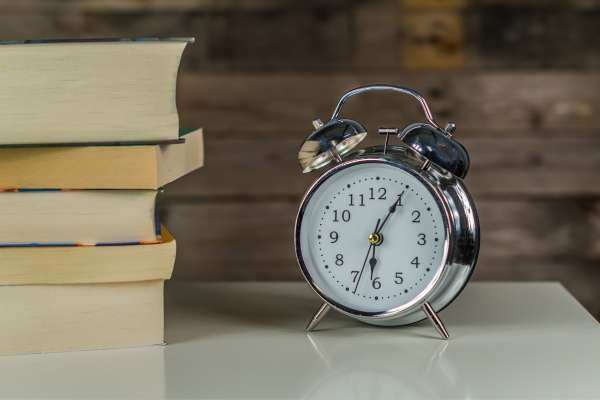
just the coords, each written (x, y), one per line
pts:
(372, 238)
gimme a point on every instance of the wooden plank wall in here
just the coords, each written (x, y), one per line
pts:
(520, 78)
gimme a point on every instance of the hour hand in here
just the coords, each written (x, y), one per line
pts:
(373, 263)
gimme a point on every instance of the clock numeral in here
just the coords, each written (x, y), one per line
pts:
(415, 262)
(399, 202)
(399, 278)
(333, 235)
(381, 193)
(421, 241)
(345, 214)
(339, 260)
(354, 275)
(360, 196)
(416, 216)
(376, 283)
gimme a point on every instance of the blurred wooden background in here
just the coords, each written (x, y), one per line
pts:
(520, 78)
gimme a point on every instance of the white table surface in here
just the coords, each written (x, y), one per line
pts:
(508, 340)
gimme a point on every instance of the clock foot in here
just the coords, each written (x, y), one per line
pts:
(435, 320)
(319, 315)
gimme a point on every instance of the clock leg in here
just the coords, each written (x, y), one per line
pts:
(435, 320)
(319, 315)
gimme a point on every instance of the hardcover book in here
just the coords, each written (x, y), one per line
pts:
(51, 318)
(101, 167)
(89, 90)
(51, 265)
(82, 298)
(54, 217)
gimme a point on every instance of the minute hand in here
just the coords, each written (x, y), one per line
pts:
(391, 210)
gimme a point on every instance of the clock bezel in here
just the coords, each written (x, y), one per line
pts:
(440, 200)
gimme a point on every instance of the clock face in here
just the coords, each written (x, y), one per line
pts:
(371, 238)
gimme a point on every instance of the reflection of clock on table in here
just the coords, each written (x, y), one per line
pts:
(375, 372)
(389, 235)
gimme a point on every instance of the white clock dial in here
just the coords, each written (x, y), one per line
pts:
(372, 238)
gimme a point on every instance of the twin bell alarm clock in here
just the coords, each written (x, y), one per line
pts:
(389, 234)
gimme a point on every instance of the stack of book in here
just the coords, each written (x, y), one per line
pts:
(89, 134)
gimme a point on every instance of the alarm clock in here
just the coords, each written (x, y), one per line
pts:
(388, 235)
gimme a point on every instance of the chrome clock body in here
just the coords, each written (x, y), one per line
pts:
(430, 216)
(460, 226)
